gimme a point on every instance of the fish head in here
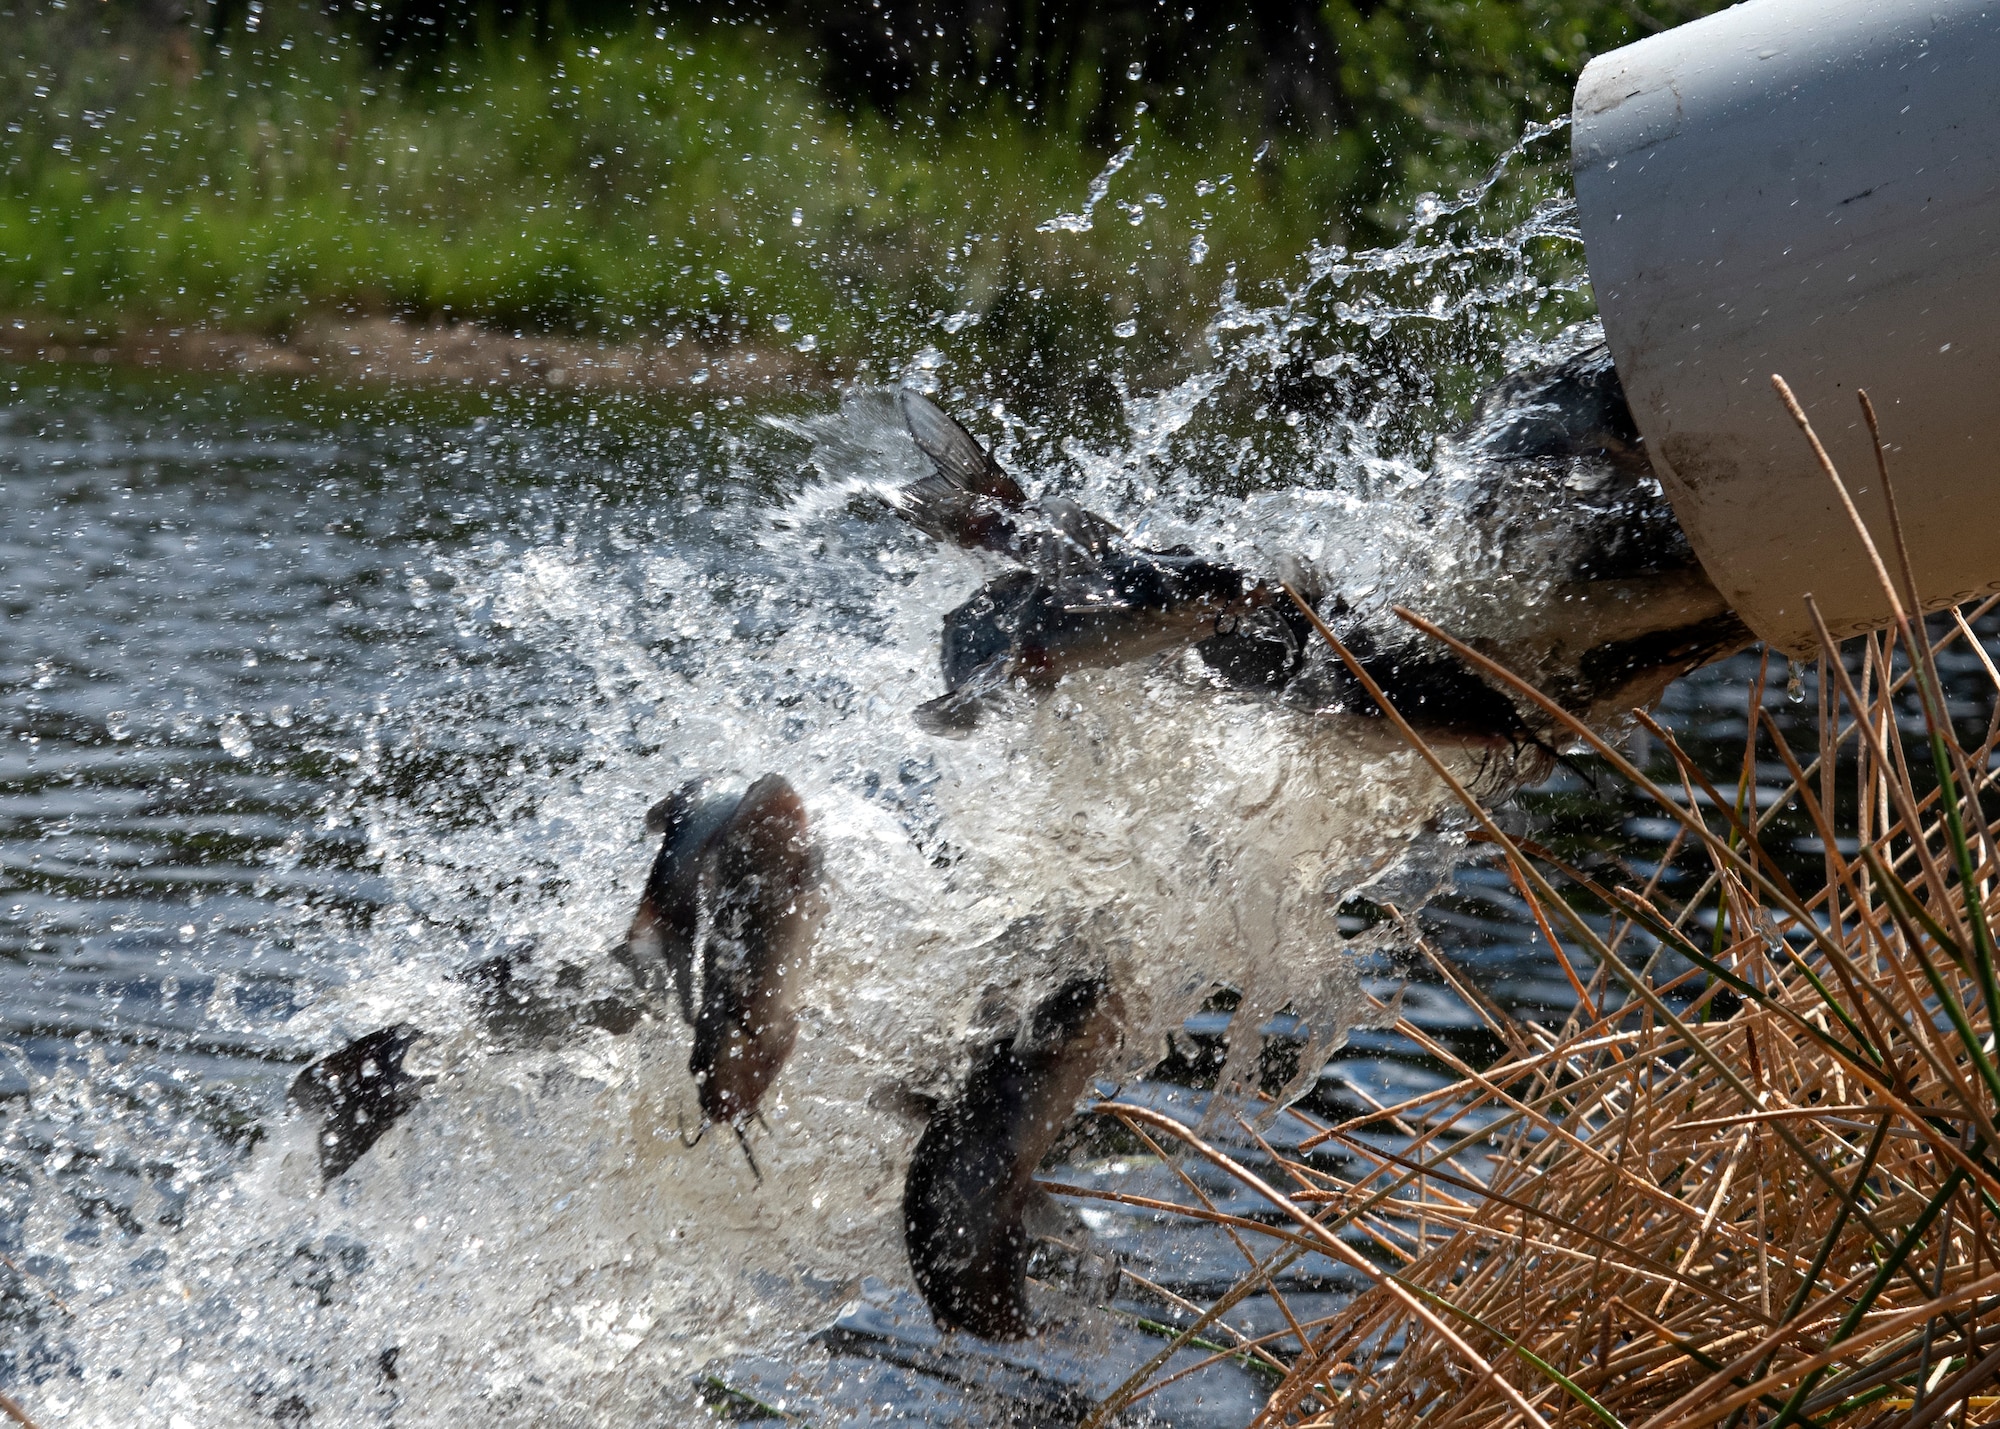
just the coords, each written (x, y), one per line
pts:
(665, 924)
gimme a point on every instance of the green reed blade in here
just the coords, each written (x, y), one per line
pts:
(1880, 1282)
(1907, 910)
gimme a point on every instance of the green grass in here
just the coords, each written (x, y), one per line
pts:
(698, 184)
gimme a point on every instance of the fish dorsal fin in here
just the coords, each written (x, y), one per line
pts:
(1066, 545)
(670, 813)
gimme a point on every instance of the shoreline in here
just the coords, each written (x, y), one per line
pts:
(389, 351)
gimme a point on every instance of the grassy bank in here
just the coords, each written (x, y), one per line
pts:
(698, 183)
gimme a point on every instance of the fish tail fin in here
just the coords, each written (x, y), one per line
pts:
(967, 491)
(356, 1094)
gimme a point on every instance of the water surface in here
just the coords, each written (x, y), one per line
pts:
(315, 698)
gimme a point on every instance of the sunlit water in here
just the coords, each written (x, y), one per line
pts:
(315, 699)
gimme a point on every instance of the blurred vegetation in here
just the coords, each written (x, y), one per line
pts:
(840, 176)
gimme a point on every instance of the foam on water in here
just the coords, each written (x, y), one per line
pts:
(544, 1239)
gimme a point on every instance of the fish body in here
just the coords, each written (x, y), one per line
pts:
(734, 899)
(970, 1200)
(1133, 604)
(762, 896)
(667, 926)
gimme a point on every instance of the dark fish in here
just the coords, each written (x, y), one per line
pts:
(1558, 465)
(1633, 609)
(1085, 596)
(1556, 456)
(665, 929)
(1105, 602)
(970, 1199)
(357, 1093)
(735, 893)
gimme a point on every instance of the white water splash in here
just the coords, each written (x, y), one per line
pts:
(1082, 221)
(538, 1242)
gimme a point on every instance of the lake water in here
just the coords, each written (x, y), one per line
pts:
(315, 698)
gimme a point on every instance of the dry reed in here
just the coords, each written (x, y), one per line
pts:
(1755, 1179)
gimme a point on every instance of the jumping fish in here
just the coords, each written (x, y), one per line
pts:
(735, 893)
(666, 929)
(1086, 597)
(1555, 457)
(970, 1201)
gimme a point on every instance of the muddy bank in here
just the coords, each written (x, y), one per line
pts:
(385, 350)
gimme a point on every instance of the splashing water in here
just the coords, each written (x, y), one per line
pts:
(1083, 221)
(546, 1235)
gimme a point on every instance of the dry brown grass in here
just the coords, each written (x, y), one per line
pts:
(1756, 1177)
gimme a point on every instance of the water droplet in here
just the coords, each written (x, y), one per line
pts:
(782, 322)
(118, 724)
(1134, 70)
(798, 218)
(808, 343)
(1128, 328)
(721, 277)
(1198, 250)
(1795, 686)
(235, 738)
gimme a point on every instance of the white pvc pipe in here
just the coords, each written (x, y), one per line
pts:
(1811, 188)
